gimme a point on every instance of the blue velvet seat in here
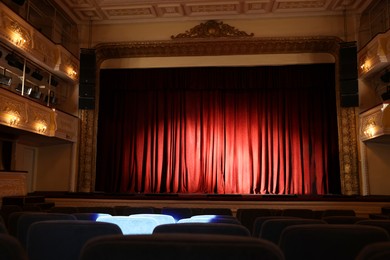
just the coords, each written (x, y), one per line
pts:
(64, 239)
(273, 228)
(328, 241)
(132, 226)
(179, 247)
(11, 249)
(28, 218)
(203, 228)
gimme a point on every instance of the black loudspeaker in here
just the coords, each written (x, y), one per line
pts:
(87, 66)
(351, 100)
(86, 90)
(19, 2)
(87, 79)
(349, 87)
(348, 61)
(86, 103)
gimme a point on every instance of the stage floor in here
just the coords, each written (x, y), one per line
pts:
(362, 205)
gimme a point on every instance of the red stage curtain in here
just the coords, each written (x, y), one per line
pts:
(224, 130)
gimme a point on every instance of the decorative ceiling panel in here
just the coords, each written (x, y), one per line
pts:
(107, 11)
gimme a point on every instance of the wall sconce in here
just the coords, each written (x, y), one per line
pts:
(370, 129)
(13, 118)
(41, 126)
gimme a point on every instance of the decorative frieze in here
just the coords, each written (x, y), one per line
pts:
(375, 123)
(19, 112)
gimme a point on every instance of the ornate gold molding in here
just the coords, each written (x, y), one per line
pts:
(217, 46)
(212, 29)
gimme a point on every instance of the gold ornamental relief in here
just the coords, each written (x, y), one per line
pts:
(212, 29)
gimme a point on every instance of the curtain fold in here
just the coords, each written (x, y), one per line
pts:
(224, 130)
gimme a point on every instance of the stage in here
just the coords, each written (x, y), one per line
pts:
(362, 205)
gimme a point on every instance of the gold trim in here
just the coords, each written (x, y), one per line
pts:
(212, 29)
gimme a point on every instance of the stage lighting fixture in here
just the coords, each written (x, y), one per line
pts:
(37, 75)
(27, 90)
(53, 82)
(15, 62)
(5, 80)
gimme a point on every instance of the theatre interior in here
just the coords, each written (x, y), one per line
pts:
(190, 126)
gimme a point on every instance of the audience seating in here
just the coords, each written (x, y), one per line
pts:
(247, 216)
(11, 249)
(28, 218)
(258, 223)
(300, 213)
(177, 213)
(132, 226)
(63, 239)
(328, 241)
(160, 218)
(89, 216)
(375, 251)
(97, 209)
(69, 210)
(3, 228)
(127, 210)
(273, 228)
(342, 219)
(383, 223)
(179, 247)
(338, 212)
(217, 211)
(211, 219)
(203, 228)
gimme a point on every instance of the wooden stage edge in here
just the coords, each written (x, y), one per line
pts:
(363, 205)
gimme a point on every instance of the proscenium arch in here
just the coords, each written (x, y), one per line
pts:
(349, 172)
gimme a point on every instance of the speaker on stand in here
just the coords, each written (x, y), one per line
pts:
(349, 88)
(87, 79)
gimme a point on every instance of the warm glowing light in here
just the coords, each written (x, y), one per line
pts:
(370, 130)
(13, 119)
(384, 106)
(18, 39)
(41, 126)
(72, 73)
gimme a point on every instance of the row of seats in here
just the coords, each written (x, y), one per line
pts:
(68, 239)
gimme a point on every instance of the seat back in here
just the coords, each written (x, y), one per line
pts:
(203, 228)
(258, 223)
(383, 223)
(160, 218)
(375, 251)
(211, 219)
(342, 219)
(131, 226)
(329, 241)
(247, 216)
(25, 221)
(178, 247)
(338, 212)
(273, 228)
(63, 239)
(300, 213)
(11, 249)
(177, 213)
